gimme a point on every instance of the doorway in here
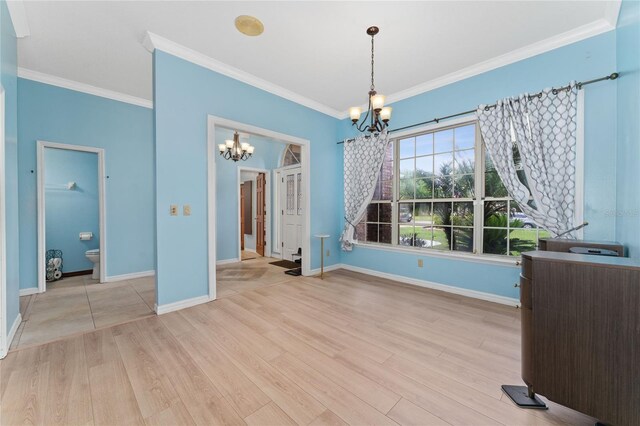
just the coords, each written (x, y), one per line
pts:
(68, 190)
(290, 205)
(217, 218)
(254, 211)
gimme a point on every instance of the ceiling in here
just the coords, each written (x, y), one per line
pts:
(317, 50)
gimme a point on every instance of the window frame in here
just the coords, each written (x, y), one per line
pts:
(478, 200)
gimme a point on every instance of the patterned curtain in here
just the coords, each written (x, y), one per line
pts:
(363, 159)
(544, 128)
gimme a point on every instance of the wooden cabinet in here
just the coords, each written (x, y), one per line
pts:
(581, 333)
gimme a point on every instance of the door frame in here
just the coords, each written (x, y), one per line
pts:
(212, 153)
(41, 207)
(267, 197)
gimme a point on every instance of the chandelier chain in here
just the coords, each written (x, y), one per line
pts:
(373, 87)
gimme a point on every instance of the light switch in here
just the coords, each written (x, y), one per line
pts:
(186, 210)
(173, 210)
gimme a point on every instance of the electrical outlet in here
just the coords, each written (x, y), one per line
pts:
(420, 263)
(186, 210)
(173, 210)
(328, 253)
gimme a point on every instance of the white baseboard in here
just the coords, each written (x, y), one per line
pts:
(28, 291)
(11, 335)
(132, 276)
(226, 261)
(328, 268)
(182, 304)
(503, 300)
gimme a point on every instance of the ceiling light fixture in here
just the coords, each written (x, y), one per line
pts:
(249, 25)
(234, 150)
(378, 116)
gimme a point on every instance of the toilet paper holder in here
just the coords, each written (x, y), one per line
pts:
(85, 236)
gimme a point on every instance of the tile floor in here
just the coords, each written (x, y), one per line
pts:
(79, 304)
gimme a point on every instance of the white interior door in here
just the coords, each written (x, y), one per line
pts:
(292, 210)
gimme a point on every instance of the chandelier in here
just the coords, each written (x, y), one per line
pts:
(377, 117)
(234, 150)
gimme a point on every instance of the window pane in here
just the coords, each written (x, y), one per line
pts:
(442, 213)
(405, 213)
(465, 162)
(443, 187)
(464, 186)
(494, 241)
(463, 239)
(372, 212)
(384, 210)
(372, 232)
(407, 148)
(465, 136)
(384, 233)
(441, 238)
(521, 240)
(422, 214)
(386, 190)
(407, 189)
(406, 168)
(493, 186)
(424, 188)
(424, 166)
(495, 215)
(424, 144)
(444, 141)
(443, 164)
(462, 214)
(405, 234)
(423, 237)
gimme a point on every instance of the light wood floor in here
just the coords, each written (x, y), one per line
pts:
(78, 304)
(349, 349)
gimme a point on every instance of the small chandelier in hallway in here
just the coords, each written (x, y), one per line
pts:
(377, 116)
(234, 150)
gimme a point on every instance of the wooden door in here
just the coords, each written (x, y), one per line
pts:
(242, 195)
(260, 213)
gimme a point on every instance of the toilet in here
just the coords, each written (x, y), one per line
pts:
(94, 256)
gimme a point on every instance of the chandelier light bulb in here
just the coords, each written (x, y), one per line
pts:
(229, 143)
(377, 102)
(354, 113)
(385, 114)
(222, 147)
(250, 149)
(244, 146)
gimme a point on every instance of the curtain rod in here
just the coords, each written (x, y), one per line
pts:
(579, 85)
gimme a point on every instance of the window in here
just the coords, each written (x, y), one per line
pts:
(291, 155)
(427, 198)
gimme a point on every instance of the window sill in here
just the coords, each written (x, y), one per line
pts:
(469, 257)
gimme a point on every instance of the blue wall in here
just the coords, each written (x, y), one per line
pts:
(126, 133)
(627, 212)
(71, 211)
(184, 94)
(585, 60)
(8, 72)
(267, 156)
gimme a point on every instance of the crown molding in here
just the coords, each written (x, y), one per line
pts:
(612, 12)
(153, 41)
(577, 34)
(18, 15)
(82, 87)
